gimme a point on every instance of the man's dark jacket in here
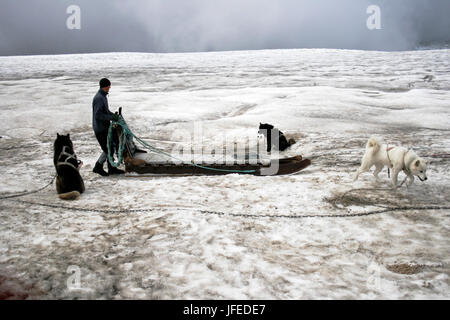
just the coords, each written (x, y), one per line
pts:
(101, 116)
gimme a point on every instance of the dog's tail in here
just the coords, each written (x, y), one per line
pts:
(291, 141)
(72, 195)
(373, 144)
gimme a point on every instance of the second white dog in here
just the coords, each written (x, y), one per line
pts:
(397, 158)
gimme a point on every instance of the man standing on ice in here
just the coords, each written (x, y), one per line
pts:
(101, 117)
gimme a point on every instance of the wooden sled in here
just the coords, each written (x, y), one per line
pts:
(138, 167)
(284, 166)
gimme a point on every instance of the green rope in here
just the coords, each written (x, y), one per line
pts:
(126, 133)
(121, 147)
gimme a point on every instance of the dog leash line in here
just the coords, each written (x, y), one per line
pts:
(28, 192)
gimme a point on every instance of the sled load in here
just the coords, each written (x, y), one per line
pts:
(137, 162)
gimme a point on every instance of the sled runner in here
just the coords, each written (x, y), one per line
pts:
(135, 166)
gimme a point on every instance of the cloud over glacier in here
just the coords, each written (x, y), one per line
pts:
(39, 27)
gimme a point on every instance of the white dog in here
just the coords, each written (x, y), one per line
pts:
(397, 158)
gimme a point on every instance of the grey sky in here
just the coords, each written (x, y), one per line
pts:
(39, 26)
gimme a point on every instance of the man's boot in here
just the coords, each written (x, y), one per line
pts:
(99, 169)
(114, 170)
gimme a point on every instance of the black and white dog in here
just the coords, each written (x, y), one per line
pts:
(69, 183)
(270, 131)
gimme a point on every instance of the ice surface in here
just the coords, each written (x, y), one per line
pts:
(330, 101)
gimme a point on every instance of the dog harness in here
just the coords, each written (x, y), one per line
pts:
(66, 162)
(405, 167)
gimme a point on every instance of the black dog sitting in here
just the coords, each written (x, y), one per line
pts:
(270, 131)
(69, 183)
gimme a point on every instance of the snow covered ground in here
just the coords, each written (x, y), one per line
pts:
(209, 237)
